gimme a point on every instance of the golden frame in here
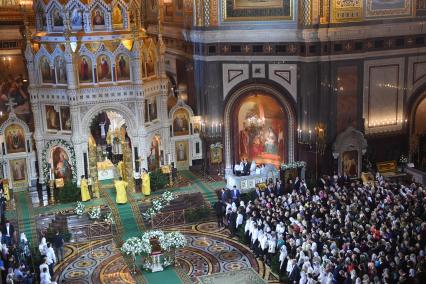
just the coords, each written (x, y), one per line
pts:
(226, 18)
(21, 182)
(255, 7)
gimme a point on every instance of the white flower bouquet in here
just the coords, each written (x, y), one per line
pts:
(216, 145)
(158, 204)
(175, 240)
(108, 218)
(95, 213)
(167, 196)
(79, 208)
(294, 165)
(134, 246)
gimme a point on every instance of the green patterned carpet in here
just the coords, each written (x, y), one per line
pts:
(25, 217)
(130, 228)
(130, 224)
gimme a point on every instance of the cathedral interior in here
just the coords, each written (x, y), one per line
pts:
(213, 141)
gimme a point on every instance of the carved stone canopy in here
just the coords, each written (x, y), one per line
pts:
(350, 139)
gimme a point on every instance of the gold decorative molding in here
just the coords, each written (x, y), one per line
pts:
(347, 11)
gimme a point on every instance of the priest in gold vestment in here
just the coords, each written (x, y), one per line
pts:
(120, 188)
(85, 195)
(146, 183)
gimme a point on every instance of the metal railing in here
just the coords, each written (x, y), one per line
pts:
(86, 232)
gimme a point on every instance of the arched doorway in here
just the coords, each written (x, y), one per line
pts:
(110, 147)
(259, 125)
(418, 142)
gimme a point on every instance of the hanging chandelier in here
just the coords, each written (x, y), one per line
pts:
(255, 123)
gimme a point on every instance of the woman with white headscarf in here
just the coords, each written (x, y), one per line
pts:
(24, 245)
(42, 247)
(240, 219)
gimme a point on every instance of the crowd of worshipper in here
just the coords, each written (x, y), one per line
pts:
(337, 232)
(15, 255)
(17, 262)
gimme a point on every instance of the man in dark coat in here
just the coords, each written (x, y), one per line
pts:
(220, 212)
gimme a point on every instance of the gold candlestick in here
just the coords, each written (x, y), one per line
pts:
(52, 191)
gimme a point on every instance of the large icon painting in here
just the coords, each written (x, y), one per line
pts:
(98, 19)
(65, 118)
(52, 118)
(85, 73)
(46, 71)
(57, 19)
(123, 67)
(180, 122)
(117, 17)
(76, 19)
(154, 156)
(350, 163)
(61, 163)
(104, 69)
(15, 139)
(18, 170)
(261, 127)
(181, 151)
(61, 70)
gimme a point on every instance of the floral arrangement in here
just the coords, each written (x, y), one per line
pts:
(168, 260)
(79, 208)
(142, 246)
(158, 204)
(95, 213)
(167, 196)
(108, 218)
(216, 145)
(174, 240)
(45, 168)
(294, 165)
(133, 246)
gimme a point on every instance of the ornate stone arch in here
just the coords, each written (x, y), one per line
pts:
(178, 105)
(47, 155)
(233, 97)
(350, 140)
(13, 119)
(123, 110)
(42, 52)
(417, 96)
(84, 51)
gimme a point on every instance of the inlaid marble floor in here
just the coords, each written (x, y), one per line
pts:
(209, 251)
